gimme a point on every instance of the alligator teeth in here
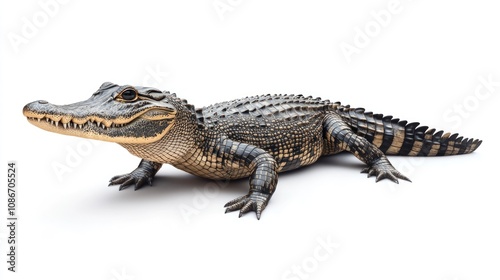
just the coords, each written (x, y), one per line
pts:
(70, 123)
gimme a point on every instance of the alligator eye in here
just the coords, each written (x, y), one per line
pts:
(129, 95)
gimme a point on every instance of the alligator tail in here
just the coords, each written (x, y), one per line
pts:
(395, 137)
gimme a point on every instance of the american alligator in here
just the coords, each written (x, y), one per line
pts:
(255, 137)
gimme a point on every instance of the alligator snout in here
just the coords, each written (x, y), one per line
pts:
(35, 108)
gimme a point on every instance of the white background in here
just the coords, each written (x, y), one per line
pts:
(423, 65)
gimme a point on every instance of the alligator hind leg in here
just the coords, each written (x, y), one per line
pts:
(339, 133)
(263, 178)
(144, 173)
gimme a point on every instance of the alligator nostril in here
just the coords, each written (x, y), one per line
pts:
(42, 102)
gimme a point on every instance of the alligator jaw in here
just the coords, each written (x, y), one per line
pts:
(98, 128)
(55, 124)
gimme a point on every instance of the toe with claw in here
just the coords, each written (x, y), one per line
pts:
(253, 201)
(141, 176)
(134, 178)
(383, 169)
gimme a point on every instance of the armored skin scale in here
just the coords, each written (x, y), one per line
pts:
(255, 137)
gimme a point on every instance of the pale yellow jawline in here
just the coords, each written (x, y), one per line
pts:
(90, 135)
(66, 119)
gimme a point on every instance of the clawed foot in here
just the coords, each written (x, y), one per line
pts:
(254, 201)
(383, 169)
(138, 178)
(143, 174)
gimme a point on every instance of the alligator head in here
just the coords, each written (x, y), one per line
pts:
(120, 114)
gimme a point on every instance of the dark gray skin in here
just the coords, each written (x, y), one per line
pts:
(255, 137)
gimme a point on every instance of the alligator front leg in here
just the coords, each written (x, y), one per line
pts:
(143, 174)
(263, 179)
(378, 165)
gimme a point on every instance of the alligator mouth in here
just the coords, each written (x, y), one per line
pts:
(75, 123)
(80, 123)
(119, 130)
